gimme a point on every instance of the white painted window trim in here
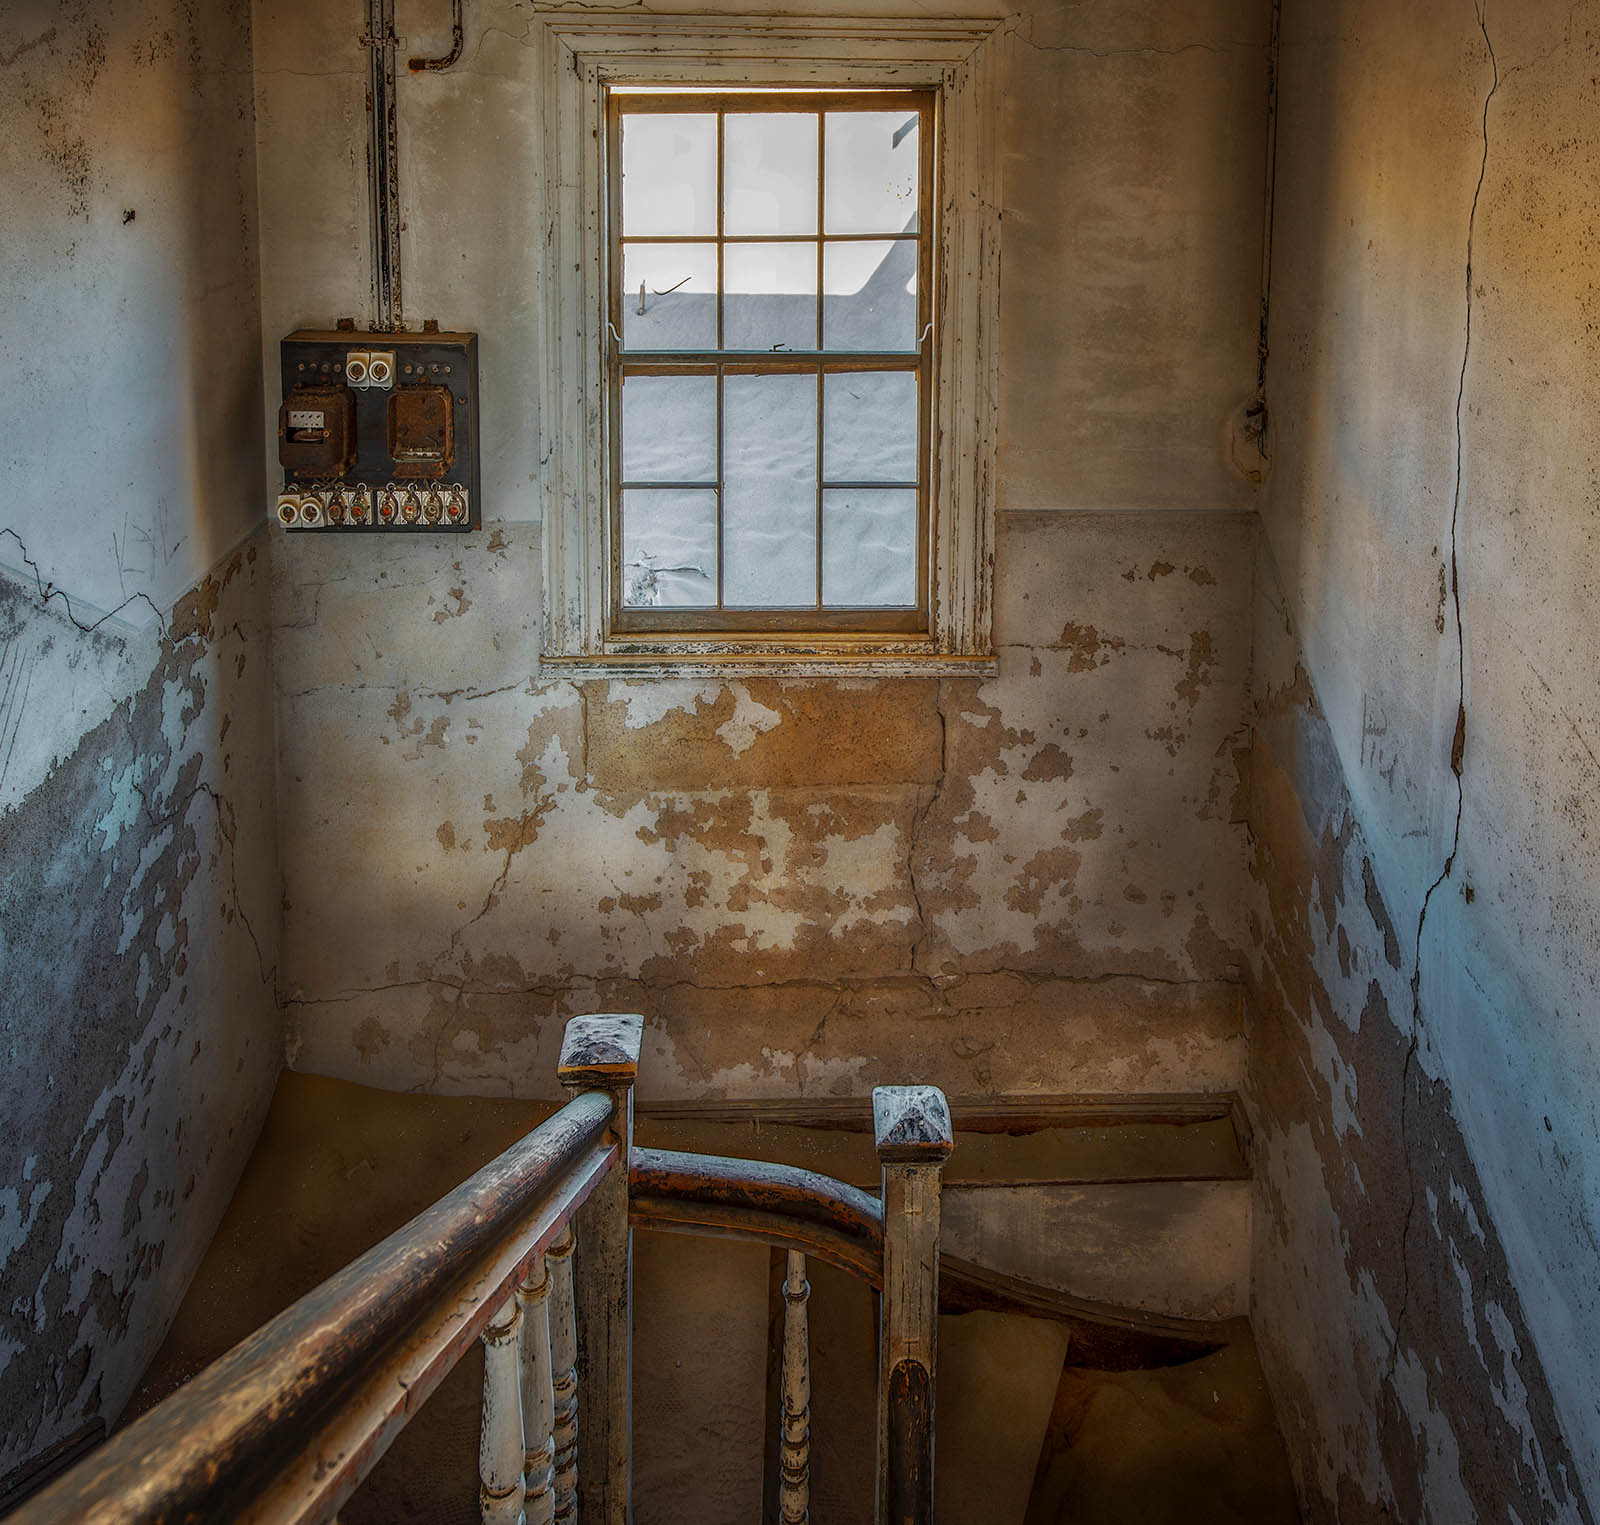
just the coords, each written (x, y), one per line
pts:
(584, 51)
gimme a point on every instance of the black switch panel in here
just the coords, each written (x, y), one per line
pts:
(379, 432)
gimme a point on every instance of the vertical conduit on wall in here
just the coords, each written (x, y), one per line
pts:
(1254, 425)
(383, 166)
(1270, 195)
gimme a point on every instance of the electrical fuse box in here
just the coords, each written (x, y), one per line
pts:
(379, 432)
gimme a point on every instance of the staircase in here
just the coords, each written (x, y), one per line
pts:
(1115, 1230)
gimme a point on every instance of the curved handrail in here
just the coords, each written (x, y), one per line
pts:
(795, 1209)
(781, 1205)
(210, 1447)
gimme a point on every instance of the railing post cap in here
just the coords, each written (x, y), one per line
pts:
(601, 1051)
(911, 1125)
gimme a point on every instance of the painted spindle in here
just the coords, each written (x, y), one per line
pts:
(794, 1442)
(912, 1127)
(564, 1373)
(500, 1440)
(538, 1401)
(602, 1053)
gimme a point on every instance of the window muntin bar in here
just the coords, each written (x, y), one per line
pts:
(879, 341)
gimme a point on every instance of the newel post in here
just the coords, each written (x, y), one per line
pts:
(601, 1053)
(912, 1128)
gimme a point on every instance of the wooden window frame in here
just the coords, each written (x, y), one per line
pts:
(585, 54)
(815, 618)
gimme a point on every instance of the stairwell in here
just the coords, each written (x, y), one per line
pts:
(1128, 1202)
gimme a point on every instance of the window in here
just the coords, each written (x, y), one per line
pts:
(770, 367)
(768, 293)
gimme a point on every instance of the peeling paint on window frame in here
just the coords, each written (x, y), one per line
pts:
(587, 52)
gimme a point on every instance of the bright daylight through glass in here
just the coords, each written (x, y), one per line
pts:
(769, 431)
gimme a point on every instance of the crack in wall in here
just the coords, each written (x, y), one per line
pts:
(48, 591)
(227, 829)
(1458, 743)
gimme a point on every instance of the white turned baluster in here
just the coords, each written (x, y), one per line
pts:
(500, 1440)
(564, 1372)
(538, 1402)
(794, 1445)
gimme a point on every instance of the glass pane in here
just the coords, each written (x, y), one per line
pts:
(669, 174)
(871, 183)
(869, 426)
(669, 548)
(669, 429)
(769, 296)
(870, 296)
(769, 452)
(676, 285)
(769, 173)
(869, 548)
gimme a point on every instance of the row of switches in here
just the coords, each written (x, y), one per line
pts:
(445, 506)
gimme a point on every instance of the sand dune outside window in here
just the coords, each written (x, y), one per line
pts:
(770, 361)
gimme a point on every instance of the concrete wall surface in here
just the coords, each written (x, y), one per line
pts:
(138, 855)
(806, 886)
(1132, 149)
(1434, 381)
(1017, 886)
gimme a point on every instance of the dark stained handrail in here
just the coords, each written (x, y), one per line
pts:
(781, 1205)
(795, 1209)
(207, 1450)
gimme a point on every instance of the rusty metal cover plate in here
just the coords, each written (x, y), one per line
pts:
(422, 435)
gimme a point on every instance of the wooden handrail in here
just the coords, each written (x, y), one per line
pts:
(780, 1205)
(288, 1423)
(209, 1450)
(794, 1209)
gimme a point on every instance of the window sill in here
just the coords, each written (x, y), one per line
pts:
(719, 663)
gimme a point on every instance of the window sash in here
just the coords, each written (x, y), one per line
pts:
(815, 617)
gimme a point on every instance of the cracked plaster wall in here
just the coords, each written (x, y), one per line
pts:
(138, 857)
(1017, 886)
(1423, 1061)
(1026, 885)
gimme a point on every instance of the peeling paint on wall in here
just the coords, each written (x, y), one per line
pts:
(1435, 355)
(137, 981)
(138, 856)
(1391, 1327)
(1028, 884)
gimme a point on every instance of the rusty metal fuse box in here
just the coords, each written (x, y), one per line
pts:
(379, 432)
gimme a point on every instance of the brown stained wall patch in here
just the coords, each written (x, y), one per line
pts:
(510, 834)
(462, 602)
(1053, 871)
(1048, 762)
(766, 733)
(1201, 660)
(370, 1038)
(1085, 645)
(1296, 694)
(1085, 827)
(1380, 914)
